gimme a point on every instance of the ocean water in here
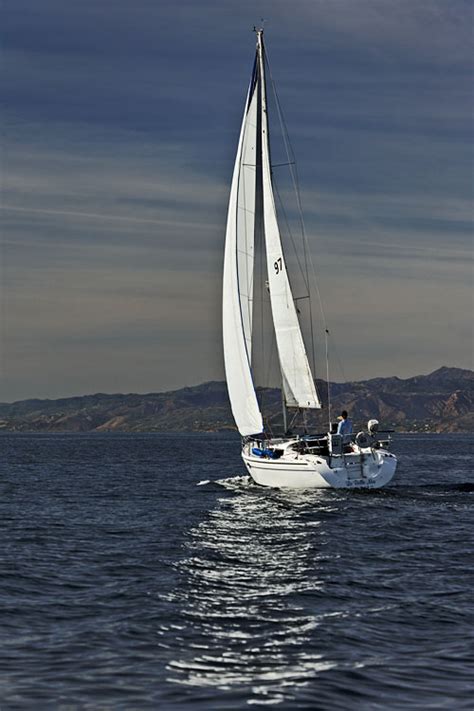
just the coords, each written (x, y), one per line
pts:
(128, 582)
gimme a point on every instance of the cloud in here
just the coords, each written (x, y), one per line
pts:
(407, 30)
(120, 132)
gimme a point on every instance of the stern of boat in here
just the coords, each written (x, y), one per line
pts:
(290, 463)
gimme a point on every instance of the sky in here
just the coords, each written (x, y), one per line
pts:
(120, 124)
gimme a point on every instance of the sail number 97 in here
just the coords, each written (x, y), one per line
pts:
(278, 265)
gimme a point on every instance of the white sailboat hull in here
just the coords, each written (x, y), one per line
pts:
(364, 469)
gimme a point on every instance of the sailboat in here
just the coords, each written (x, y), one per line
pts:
(326, 460)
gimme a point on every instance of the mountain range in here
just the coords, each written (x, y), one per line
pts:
(442, 401)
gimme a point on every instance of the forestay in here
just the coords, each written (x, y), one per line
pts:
(238, 275)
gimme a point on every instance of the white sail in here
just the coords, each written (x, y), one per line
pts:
(238, 276)
(298, 384)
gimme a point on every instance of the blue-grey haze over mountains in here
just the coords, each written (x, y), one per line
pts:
(120, 127)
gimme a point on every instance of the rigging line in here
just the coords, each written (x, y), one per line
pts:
(267, 370)
(307, 252)
(294, 175)
(293, 420)
(283, 211)
(266, 361)
(269, 422)
(287, 225)
(304, 275)
(326, 333)
(305, 248)
(272, 349)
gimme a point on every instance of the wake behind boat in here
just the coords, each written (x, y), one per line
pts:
(297, 461)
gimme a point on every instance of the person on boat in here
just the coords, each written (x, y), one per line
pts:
(345, 425)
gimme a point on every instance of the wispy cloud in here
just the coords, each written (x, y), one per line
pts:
(120, 130)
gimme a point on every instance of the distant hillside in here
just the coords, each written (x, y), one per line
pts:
(442, 401)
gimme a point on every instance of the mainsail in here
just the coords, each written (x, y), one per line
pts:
(238, 274)
(298, 384)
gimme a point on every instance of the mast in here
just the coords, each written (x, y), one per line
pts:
(259, 178)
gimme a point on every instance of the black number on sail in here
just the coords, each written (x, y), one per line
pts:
(278, 265)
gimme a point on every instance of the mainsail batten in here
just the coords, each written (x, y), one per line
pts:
(298, 384)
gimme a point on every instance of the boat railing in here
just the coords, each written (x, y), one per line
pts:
(324, 444)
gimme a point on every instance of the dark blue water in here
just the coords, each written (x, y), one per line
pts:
(124, 585)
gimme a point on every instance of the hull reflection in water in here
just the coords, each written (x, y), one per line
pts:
(248, 569)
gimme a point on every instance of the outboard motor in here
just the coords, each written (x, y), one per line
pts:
(373, 427)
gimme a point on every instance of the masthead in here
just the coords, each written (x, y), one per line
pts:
(259, 32)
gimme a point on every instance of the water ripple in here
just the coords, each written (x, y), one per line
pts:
(256, 557)
(126, 586)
